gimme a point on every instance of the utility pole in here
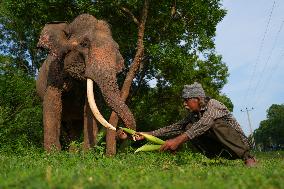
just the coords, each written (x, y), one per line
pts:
(247, 110)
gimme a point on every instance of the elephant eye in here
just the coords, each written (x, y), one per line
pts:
(85, 43)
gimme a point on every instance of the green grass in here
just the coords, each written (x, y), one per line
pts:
(142, 170)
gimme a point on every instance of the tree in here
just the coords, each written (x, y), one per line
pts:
(271, 131)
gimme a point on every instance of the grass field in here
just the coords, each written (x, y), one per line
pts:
(142, 170)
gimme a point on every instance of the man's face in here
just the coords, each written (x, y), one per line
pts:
(192, 104)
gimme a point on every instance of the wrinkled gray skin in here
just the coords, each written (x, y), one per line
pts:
(79, 50)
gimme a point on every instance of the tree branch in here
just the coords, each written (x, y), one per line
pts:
(131, 14)
(139, 53)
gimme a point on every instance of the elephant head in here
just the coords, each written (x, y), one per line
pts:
(87, 51)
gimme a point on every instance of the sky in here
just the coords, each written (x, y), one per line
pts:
(250, 39)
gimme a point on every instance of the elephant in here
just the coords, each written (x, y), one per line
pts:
(79, 53)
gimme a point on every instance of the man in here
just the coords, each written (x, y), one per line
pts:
(210, 127)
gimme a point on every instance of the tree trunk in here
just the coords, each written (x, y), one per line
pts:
(110, 136)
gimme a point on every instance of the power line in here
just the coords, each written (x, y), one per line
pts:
(259, 53)
(269, 78)
(268, 59)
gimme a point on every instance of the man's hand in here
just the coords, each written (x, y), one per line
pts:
(173, 144)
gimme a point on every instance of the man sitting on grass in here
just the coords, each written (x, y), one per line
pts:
(210, 127)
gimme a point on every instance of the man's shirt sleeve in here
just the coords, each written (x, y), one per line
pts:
(174, 129)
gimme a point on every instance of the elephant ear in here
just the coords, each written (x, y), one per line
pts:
(54, 38)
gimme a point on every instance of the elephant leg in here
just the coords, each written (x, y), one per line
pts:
(90, 127)
(52, 109)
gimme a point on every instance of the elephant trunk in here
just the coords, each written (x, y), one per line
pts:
(112, 97)
(104, 74)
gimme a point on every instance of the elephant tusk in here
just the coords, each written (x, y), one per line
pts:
(94, 108)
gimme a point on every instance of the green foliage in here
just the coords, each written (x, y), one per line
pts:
(141, 170)
(20, 110)
(270, 133)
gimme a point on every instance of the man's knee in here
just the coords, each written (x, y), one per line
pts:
(231, 138)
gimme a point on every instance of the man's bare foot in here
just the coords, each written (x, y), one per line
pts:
(251, 162)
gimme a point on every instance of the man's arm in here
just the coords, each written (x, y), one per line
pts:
(196, 129)
(173, 144)
(174, 129)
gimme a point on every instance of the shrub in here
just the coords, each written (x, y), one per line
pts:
(20, 111)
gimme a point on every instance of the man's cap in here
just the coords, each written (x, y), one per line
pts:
(193, 90)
